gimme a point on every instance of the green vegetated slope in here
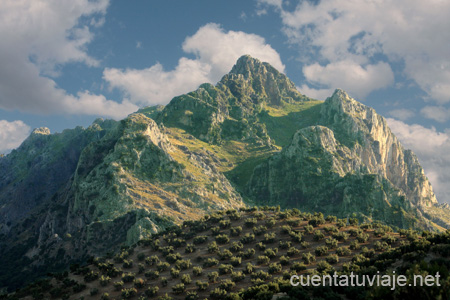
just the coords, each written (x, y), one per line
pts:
(252, 139)
(251, 254)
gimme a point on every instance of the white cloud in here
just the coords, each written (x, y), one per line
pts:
(40, 36)
(414, 34)
(12, 134)
(352, 77)
(216, 51)
(437, 113)
(433, 150)
(319, 94)
(402, 113)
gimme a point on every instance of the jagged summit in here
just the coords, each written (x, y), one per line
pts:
(259, 81)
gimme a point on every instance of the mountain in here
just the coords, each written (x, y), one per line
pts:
(252, 139)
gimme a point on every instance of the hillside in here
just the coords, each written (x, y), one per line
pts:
(251, 254)
(251, 139)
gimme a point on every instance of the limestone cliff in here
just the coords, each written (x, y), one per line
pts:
(350, 164)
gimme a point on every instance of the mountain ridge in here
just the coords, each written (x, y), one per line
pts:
(213, 148)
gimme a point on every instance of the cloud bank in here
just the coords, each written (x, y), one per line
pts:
(12, 134)
(215, 50)
(40, 36)
(353, 38)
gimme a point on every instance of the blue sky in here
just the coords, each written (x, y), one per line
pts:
(65, 63)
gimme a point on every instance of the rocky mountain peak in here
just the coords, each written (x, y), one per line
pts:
(248, 66)
(41, 131)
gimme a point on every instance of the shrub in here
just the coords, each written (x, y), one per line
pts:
(341, 236)
(225, 254)
(236, 246)
(191, 296)
(248, 268)
(250, 222)
(285, 244)
(263, 260)
(190, 248)
(269, 238)
(202, 285)
(293, 251)
(162, 266)
(379, 232)
(104, 280)
(248, 238)
(380, 246)
(341, 223)
(286, 229)
(235, 261)
(271, 222)
(218, 293)
(215, 230)
(324, 267)
(118, 285)
(141, 256)
(227, 285)
(318, 235)
(152, 291)
(249, 253)
(331, 219)
(258, 230)
(139, 283)
(235, 231)
(389, 239)
(200, 239)
(304, 244)
(91, 276)
(260, 246)
(186, 279)
(321, 250)
(225, 269)
(308, 258)
(261, 275)
(197, 271)
(128, 277)
(354, 245)
(343, 251)
(298, 266)
(309, 229)
(183, 264)
(331, 243)
(212, 277)
(353, 221)
(224, 224)
(284, 260)
(152, 260)
(152, 274)
(332, 229)
(93, 291)
(362, 237)
(175, 273)
(105, 296)
(271, 253)
(332, 259)
(213, 247)
(173, 257)
(178, 288)
(296, 237)
(210, 262)
(222, 239)
(129, 293)
(237, 276)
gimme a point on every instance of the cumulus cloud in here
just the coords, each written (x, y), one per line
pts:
(352, 77)
(12, 134)
(415, 35)
(437, 113)
(402, 114)
(40, 36)
(215, 49)
(433, 150)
